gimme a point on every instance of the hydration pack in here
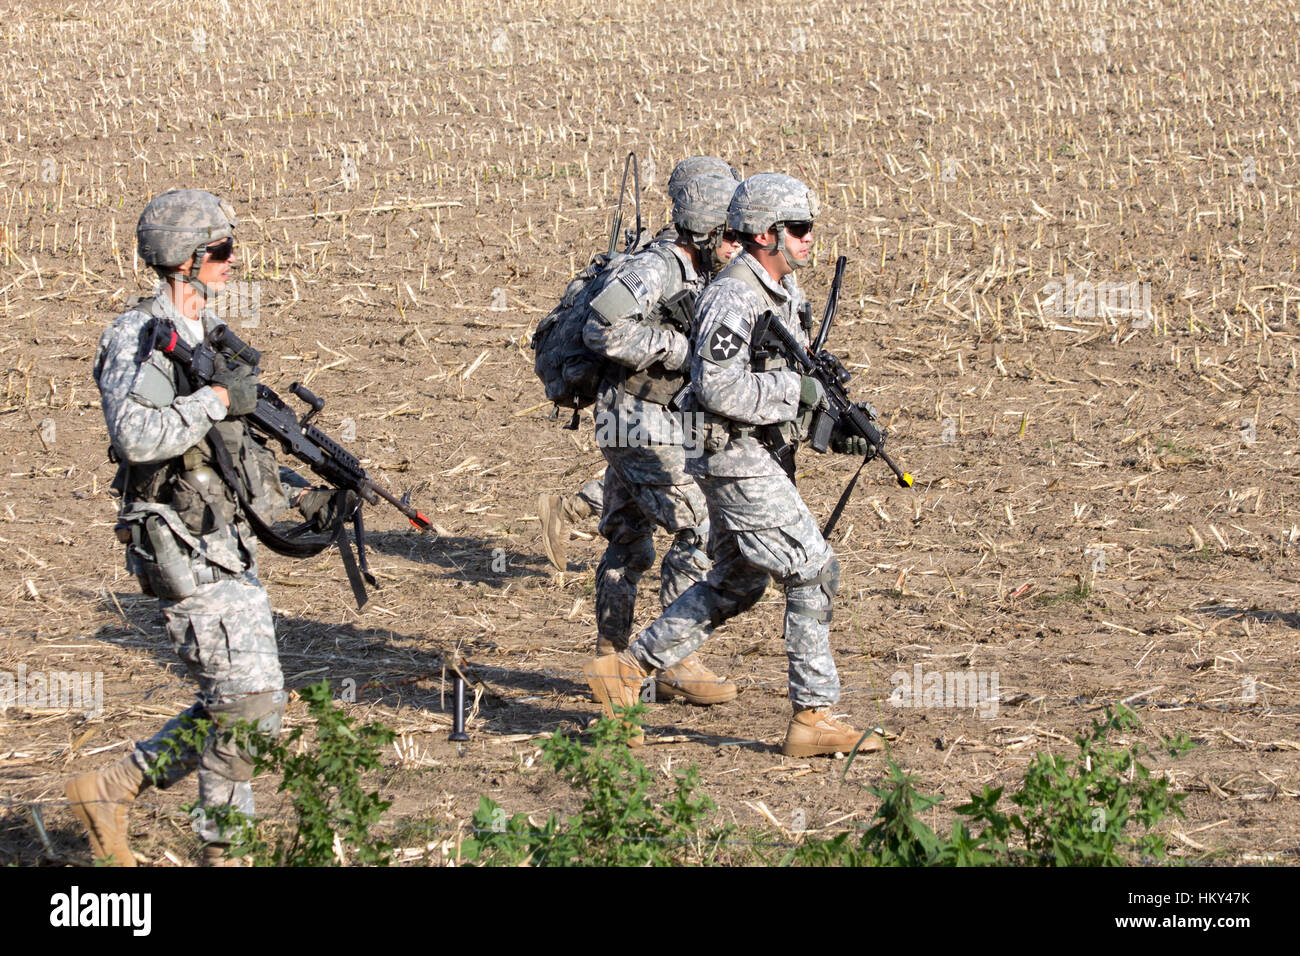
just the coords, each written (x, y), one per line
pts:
(571, 372)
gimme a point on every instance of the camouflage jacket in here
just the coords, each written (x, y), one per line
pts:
(727, 390)
(150, 423)
(626, 327)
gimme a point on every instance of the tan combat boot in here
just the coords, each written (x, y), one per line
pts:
(815, 731)
(604, 647)
(694, 683)
(218, 854)
(615, 681)
(555, 535)
(99, 800)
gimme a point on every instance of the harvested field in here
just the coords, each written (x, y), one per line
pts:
(1072, 292)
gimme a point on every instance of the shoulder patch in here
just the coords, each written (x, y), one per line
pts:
(632, 282)
(724, 344)
(152, 387)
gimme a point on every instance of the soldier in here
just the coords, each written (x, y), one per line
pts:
(556, 511)
(641, 322)
(753, 413)
(188, 541)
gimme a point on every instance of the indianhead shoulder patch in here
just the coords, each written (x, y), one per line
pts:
(724, 344)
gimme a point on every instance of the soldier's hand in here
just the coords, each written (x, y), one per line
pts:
(240, 384)
(811, 393)
(679, 354)
(869, 410)
(846, 444)
(326, 507)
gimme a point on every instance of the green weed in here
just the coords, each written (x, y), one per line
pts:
(1067, 812)
(619, 823)
(334, 812)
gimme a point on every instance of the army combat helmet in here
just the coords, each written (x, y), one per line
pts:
(700, 215)
(768, 201)
(693, 166)
(179, 224)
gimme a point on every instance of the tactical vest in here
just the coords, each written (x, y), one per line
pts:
(781, 438)
(172, 511)
(656, 383)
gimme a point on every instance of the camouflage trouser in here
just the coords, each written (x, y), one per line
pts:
(631, 512)
(591, 495)
(761, 529)
(224, 635)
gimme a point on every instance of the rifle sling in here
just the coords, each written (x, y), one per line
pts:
(287, 546)
(844, 500)
(264, 532)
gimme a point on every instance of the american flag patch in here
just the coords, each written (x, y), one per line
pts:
(632, 282)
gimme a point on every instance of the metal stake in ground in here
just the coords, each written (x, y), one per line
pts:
(458, 723)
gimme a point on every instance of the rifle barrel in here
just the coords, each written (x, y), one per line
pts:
(860, 421)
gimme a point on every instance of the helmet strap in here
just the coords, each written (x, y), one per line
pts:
(709, 252)
(192, 278)
(779, 229)
(705, 248)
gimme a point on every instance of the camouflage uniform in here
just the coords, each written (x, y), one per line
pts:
(645, 483)
(592, 496)
(554, 510)
(222, 630)
(761, 527)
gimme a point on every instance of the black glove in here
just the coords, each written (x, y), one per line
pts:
(240, 384)
(849, 443)
(326, 507)
(845, 444)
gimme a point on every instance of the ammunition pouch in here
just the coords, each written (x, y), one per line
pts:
(255, 466)
(171, 508)
(709, 431)
(773, 437)
(782, 440)
(655, 384)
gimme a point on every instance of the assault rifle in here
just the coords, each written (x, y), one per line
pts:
(297, 436)
(841, 413)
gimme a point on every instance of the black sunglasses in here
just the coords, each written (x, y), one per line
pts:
(730, 235)
(798, 229)
(222, 251)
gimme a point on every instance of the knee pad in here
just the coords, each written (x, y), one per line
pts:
(687, 549)
(818, 607)
(228, 753)
(636, 556)
(688, 539)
